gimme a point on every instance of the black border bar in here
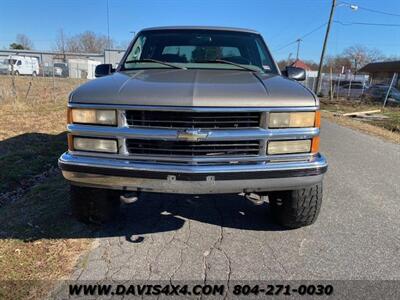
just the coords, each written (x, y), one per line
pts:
(313, 171)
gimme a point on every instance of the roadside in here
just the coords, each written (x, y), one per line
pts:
(386, 126)
(32, 190)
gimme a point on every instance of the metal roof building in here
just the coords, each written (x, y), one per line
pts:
(383, 72)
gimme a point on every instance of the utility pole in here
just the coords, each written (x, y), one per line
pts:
(321, 61)
(108, 30)
(298, 48)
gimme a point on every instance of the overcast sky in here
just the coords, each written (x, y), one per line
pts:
(281, 22)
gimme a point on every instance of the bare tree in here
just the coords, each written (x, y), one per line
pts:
(61, 42)
(361, 55)
(24, 41)
(87, 41)
(337, 63)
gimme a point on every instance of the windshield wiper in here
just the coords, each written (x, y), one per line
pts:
(222, 61)
(155, 61)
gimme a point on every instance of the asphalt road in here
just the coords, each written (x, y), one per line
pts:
(357, 235)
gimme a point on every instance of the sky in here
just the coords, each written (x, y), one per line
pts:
(280, 22)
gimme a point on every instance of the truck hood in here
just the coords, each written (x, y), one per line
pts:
(209, 88)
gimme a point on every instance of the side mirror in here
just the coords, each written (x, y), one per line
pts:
(295, 73)
(103, 70)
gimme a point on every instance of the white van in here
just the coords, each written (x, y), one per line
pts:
(22, 65)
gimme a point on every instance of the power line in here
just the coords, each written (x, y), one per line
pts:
(302, 37)
(373, 10)
(367, 24)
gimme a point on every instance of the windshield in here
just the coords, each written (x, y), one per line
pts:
(199, 49)
(10, 61)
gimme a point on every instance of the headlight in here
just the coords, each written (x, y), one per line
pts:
(293, 119)
(95, 145)
(93, 116)
(289, 147)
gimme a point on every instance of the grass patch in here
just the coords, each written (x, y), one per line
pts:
(387, 129)
(392, 122)
(27, 155)
(39, 240)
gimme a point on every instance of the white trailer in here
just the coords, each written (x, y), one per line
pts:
(82, 68)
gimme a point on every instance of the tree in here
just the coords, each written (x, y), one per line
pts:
(23, 41)
(282, 64)
(16, 46)
(360, 56)
(87, 41)
(60, 44)
(337, 63)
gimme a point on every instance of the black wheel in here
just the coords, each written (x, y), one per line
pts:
(296, 208)
(16, 73)
(34, 74)
(91, 205)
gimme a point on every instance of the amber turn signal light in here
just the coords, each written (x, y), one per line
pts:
(70, 142)
(315, 144)
(317, 119)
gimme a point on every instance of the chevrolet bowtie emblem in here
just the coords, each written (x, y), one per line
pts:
(192, 135)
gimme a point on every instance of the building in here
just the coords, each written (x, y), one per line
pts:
(80, 65)
(300, 64)
(383, 72)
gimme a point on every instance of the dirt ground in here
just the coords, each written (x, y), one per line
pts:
(387, 128)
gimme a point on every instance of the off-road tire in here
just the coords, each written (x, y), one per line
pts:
(296, 208)
(92, 205)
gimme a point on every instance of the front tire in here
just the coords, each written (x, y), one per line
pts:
(92, 205)
(296, 208)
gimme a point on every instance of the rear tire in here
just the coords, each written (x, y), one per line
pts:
(16, 73)
(296, 208)
(92, 205)
(34, 74)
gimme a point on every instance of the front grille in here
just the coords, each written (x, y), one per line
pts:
(184, 120)
(193, 149)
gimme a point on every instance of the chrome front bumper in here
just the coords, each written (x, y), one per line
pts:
(131, 175)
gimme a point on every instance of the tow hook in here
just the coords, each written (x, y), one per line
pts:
(257, 199)
(130, 197)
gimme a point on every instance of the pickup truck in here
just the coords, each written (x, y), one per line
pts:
(195, 110)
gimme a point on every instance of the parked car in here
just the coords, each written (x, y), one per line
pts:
(195, 110)
(350, 90)
(62, 69)
(22, 65)
(377, 93)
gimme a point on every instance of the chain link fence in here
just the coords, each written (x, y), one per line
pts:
(383, 90)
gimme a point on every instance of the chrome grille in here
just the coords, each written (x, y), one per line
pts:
(193, 149)
(184, 120)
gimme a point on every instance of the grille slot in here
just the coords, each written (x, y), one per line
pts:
(193, 149)
(184, 120)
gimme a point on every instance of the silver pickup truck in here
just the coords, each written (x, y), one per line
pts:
(195, 110)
